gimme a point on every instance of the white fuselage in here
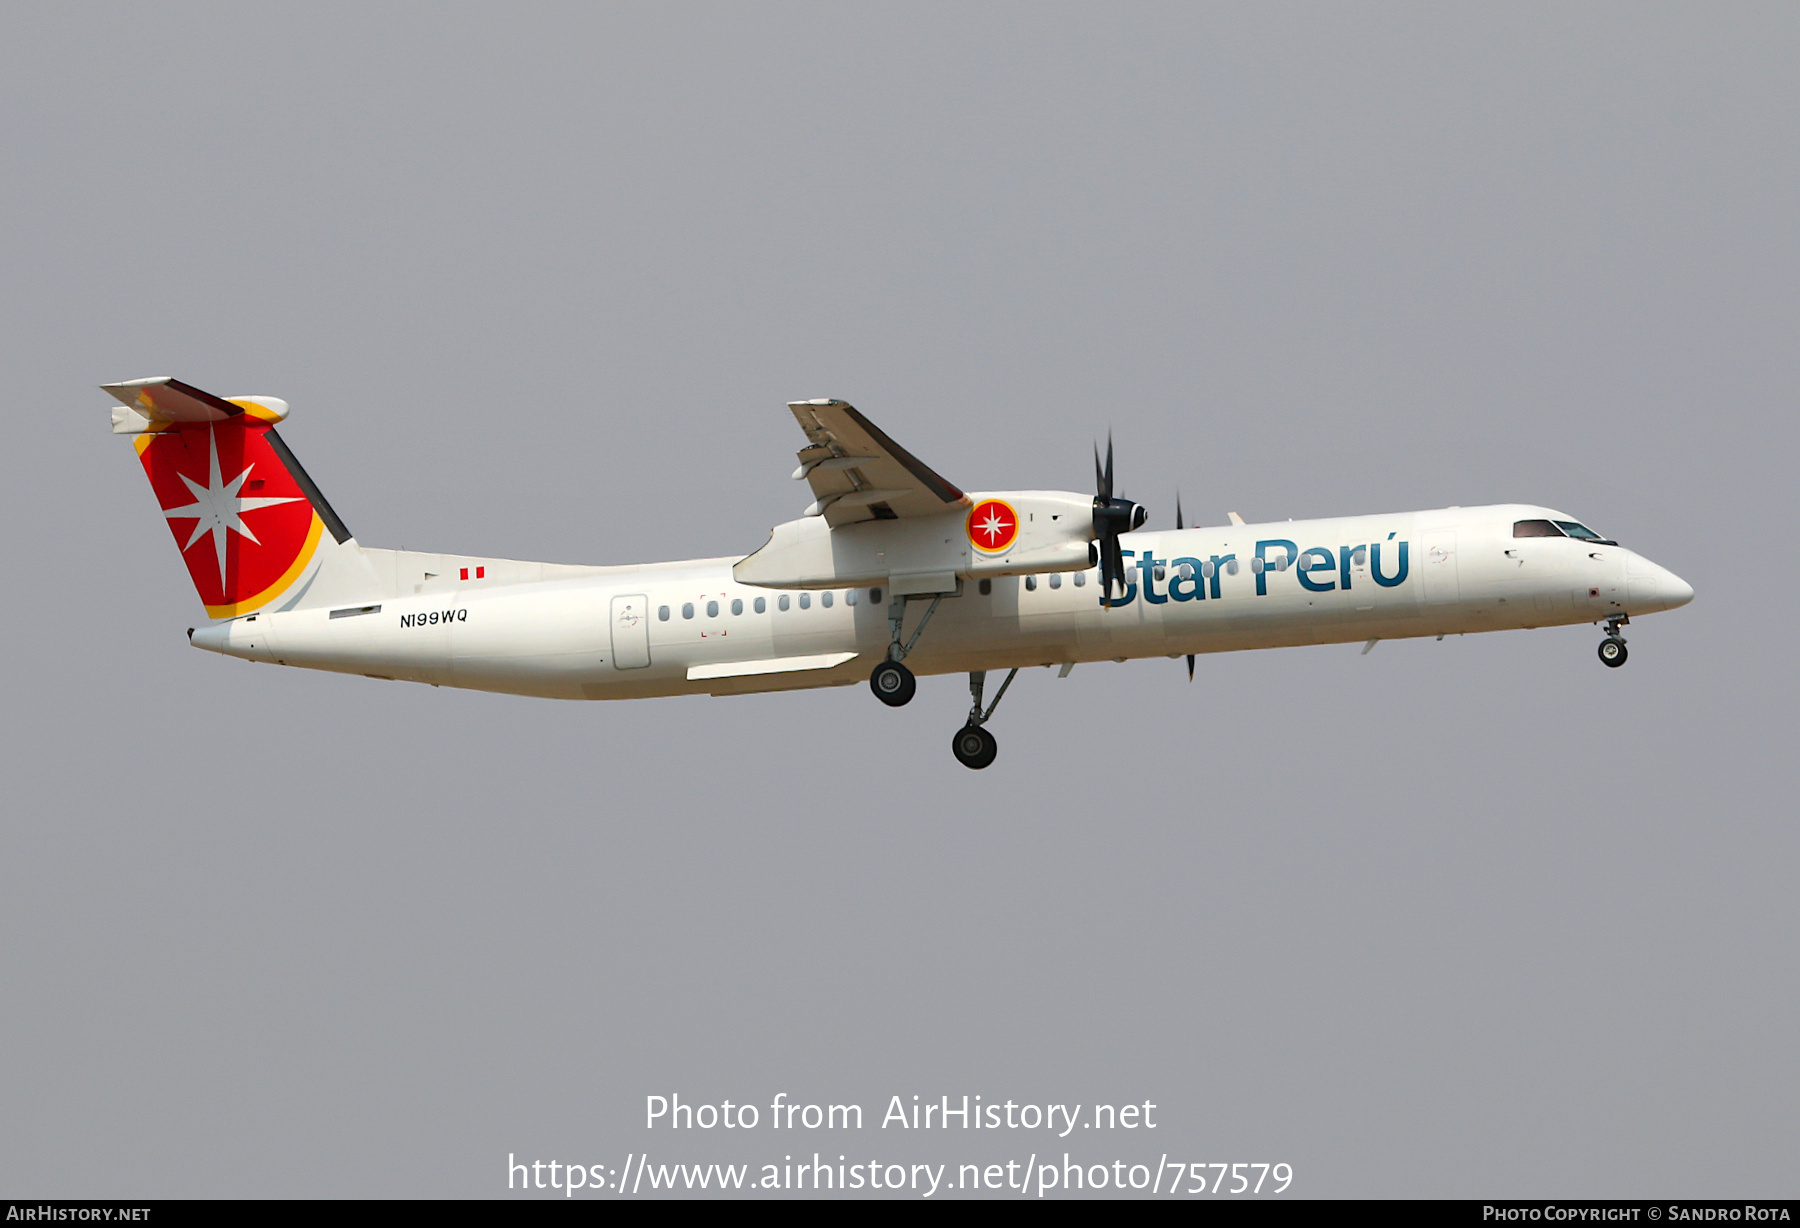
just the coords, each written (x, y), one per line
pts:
(689, 627)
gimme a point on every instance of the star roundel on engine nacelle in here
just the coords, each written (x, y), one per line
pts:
(993, 526)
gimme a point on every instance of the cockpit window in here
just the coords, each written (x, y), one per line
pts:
(1559, 528)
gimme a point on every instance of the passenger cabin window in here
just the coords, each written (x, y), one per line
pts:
(825, 599)
(875, 595)
(662, 613)
(849, 596)
(987, 588)
(1031, 584)
(737, 605)
(687, 609)
(761, 604)
(1535, 528)
(1055, 580)
(1161, 572)
(712, 609)
(1080, 578)
(806, 601)
(783, 603)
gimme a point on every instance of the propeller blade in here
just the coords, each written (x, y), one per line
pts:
(1112, 516)
(1179, 525)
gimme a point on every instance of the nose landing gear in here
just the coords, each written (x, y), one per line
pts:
(973, 745)
(1612, 648)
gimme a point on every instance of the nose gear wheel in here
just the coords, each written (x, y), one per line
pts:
(1612, 648)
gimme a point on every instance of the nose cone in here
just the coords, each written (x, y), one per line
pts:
(1680, 591)
(1655, 588)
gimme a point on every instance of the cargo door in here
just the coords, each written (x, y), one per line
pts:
(1437, 574)
(631, 631)
(1600, 587)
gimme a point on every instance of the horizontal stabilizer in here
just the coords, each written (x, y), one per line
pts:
(161, 401)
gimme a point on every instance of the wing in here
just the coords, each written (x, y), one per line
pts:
(857, 473)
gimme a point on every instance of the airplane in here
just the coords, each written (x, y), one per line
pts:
(999, 580)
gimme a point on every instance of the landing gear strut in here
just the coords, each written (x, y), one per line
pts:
(1612, 648)
(894, 684)
(973, 745)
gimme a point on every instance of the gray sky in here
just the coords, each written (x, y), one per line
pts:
(1478, 917)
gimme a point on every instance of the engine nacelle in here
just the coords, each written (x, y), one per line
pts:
(1006, 533)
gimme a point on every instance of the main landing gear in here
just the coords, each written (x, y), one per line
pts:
(973, 745)
(1612, 648)
(894, 684)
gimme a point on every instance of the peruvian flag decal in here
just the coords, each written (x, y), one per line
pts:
(993, 526)
(243, 524)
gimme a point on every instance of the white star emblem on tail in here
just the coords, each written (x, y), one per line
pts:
(217, 509)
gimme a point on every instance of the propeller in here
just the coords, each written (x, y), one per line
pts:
(1178, 527)
(1112, 517)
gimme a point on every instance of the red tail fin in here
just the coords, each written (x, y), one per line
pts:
(246, 517)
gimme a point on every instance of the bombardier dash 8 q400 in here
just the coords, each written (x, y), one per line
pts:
(891, 572)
